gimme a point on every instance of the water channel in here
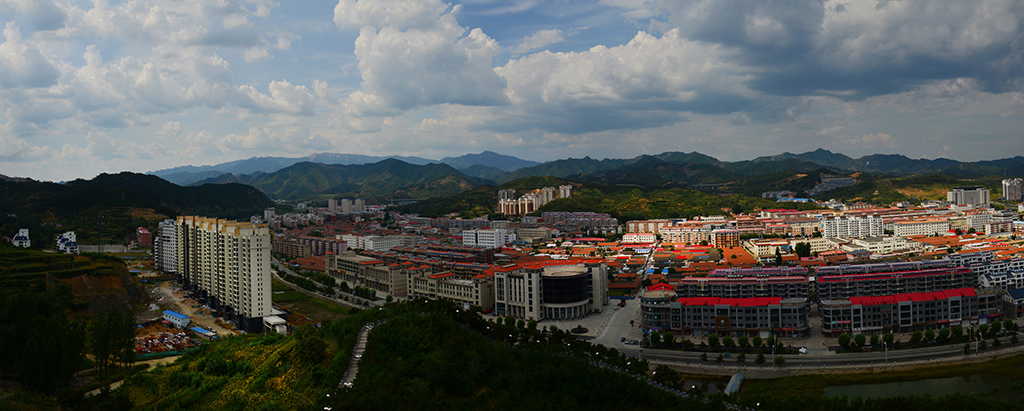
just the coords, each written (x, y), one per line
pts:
(935, 387)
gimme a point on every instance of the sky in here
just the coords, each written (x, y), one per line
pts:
(88, 87)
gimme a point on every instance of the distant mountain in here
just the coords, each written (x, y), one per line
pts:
(110, 207)
(489, 159)
(650, 171)
(379, 180)
(896, 164)
(563, 168)
(483, 172)
(187, 175)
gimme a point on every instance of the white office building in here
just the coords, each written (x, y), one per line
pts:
(968, 195)
(490, 238)
(67, 243)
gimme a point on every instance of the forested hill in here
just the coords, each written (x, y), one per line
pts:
(113, 205)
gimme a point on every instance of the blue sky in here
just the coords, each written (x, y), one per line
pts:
(104, 86)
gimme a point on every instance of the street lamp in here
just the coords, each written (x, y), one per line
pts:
(885, 349)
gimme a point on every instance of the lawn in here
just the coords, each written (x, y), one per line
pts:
(315, 309)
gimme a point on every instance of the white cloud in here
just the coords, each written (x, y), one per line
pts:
(284, 98)
(400, 14)
(537, 40)
(257, 54)
(420, 56)
(21, 64)
(284, 139)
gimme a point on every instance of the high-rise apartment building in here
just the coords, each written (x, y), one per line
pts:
(227, 265)
(164, 246)
(1013, 189)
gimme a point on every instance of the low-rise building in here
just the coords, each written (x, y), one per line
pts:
(551, 290)
(21, 239)
(909, 311)
(67, 243)
(762, 316)
(466, 292)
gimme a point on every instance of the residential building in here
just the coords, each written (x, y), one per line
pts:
(346, 205)
(322, 246)
(290, 247)
(67, 243)
(744, 287)
(1013, 190)
(349, 267)
(332, 205)
(725, 238)
(551, 290)
(143, 237)
(909, 311)
(371, 242)
(851, 227)
(830, 182)
(766, 247)
(165, 247)
(227, 265)
(647, 226)
(685, 234)
(654, 306)
(968, 195)
(490, 238)
(466, 292)
(763, 316)
(639, 238)
(844, 286)
(531, 235)
(21, 239)
(921, 227)
(882, 245)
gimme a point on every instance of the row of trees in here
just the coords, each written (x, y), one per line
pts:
(743, 343)
(950, 335)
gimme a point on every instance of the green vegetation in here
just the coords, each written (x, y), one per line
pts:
(108, 208)
(409, 360)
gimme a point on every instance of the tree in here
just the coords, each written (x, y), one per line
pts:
(778, 255)
(655, 337)
(844, 341)
(532, 325)
(728, 343)
(668, 339)
(744, 342)
(983, 329)
(929, 335)
(802, 249)
(741, 358)
(771, 341)
(876, 340)
(309, 347)
(943, 335)
(958, 332)
(757, 341)
(720, 358)
(861, 340)
(996, 342)
(1008, 324)
(967, 348)
(996, 327)
(982, 345)
(1014, 339)
(389, 298)
(713, 341)
(704, 356)
(760, 358)
(780, 361)
(520, 324)
(916, 337)
(99, 341)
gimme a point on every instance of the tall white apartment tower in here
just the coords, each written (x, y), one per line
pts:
(226, 264)
(968, 195)
(565, 191)
(359, 206)
(332, 205)
(1013, 190)
(165, 246)
(346, 205)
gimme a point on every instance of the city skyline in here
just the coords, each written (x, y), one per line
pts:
(141, 86)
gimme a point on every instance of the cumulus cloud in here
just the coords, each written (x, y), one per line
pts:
(537, 40)
(648, 82)
(420, 55)
(42, 14)
(853, 50)
(284, 98)
(21, 64)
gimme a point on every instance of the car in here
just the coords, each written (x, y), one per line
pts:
(623, 339)
(803, 350)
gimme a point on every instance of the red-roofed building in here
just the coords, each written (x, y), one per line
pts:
(758, 316)
(909, 311)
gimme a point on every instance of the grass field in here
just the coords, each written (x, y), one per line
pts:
(316, 309)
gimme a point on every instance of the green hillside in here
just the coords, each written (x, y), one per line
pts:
(427, 355)
(377, 181)
(110, 207)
